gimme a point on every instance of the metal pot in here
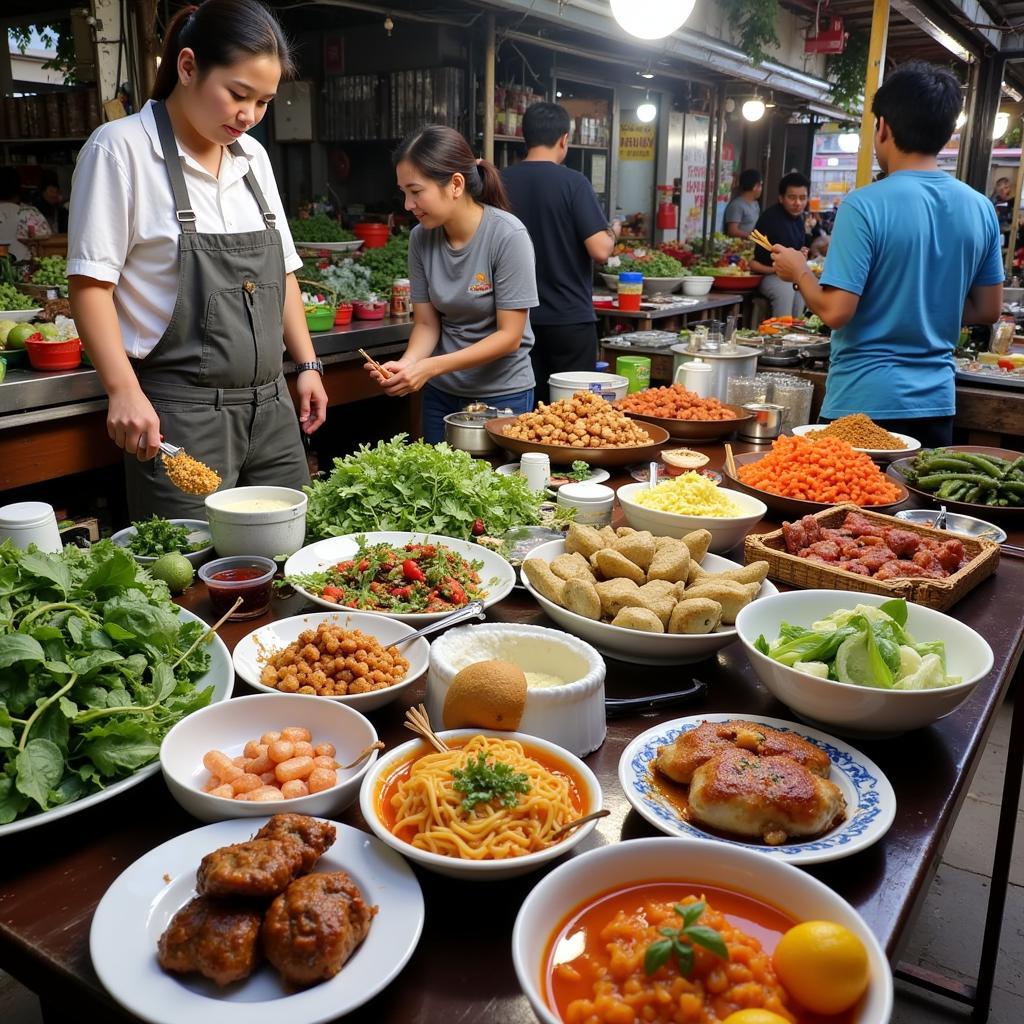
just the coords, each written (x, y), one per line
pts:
(467, 432)
(766, 423)
(724, 364)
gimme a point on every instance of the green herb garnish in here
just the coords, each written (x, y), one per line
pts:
(155, 537)
(658, 953)
(484, 783)
(579, 472)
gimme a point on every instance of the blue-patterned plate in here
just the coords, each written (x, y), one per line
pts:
(870, 800)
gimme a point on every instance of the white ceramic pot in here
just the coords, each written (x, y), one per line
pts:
(30, 522)
(269, 533)
(610, 386)
(697, 285)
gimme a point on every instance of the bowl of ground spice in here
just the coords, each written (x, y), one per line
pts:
(863, 434)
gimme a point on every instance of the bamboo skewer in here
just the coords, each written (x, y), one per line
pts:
(730, 461)
(373, 362)
(417, 721)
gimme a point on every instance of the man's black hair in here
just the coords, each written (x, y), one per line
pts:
(920, 103)
(544, 124)
(793, 180)
(750, 179)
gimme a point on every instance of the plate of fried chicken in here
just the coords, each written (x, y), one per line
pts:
(304, 920)
(788, 790)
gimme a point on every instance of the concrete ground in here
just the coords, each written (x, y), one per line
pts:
(948, 933)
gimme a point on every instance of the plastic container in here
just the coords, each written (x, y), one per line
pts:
(536, 468)
(631, 290)
(343, 314)
(593, 503)
(248, 577)
(696, 376)
(321, 318)
(636, 369)
(375, 309)
(373, 236)
(610, 386)
(30, 522)
(53, 355)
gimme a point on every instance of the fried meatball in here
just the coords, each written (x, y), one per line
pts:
(316, 836)
(314, 926)
(219, 940)
(257, 868)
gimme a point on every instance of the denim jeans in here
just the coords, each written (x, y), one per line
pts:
(437, 404)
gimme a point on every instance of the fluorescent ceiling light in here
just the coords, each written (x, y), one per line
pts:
(651, 19)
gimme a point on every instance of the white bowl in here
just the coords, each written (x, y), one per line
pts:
(910, 444)
(565, 385)
(580, 880)
(726, 531)
(634, 645)
(251, 652)
(474, 870)
(228, 726)
(571, 715)
(497, 577)
(195, 527)
(697, 285)
(846, 708)
(20, 316)
(270, 534)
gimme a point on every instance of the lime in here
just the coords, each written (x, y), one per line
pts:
(5, 329)
(48, 331)
(175, 570)
(18, 333)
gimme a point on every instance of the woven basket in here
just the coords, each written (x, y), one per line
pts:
(983, 557)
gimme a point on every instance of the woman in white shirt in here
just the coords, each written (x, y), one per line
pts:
(181, 267)
(18, 221)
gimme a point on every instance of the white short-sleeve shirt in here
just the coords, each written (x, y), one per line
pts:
(122, 226)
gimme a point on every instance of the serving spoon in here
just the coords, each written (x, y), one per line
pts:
(473, 610)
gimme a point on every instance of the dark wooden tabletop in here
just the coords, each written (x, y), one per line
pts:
(52, 877)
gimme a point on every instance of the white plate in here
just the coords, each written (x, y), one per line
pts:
(870, 800)
(597, 475)
(199, 530)
(20, 316)
(352, 246)
(138, 906)
(911, 444)
(220, 676)
(251, 651)
(497, 577)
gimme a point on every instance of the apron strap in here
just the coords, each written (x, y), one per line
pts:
(269, 217)
(182, 204)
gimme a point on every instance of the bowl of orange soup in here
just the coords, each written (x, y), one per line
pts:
(487, 809)
(588, 933)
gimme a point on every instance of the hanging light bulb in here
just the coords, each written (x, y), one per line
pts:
(961, 119)
(753, 110)
(646, 112)
(651, 19)
(1001, 125)
(848, 142)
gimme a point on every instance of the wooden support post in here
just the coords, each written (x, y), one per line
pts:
(876, 58)
(489, 58)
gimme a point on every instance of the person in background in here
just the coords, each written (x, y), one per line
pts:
(895, 308)
(19, 222)
(471, 267)
(743, 210)
(783, 224)
(568, 229)
(50, 202)
(1003, 203)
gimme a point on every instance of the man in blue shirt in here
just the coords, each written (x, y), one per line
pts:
(568, 229)
(912, 258)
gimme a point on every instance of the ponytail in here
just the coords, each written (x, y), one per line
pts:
(220, 33)
(439, 152)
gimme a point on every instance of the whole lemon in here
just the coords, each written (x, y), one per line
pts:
(753, 1016)
(823, 965)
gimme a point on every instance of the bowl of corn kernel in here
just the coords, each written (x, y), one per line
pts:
(679, 505)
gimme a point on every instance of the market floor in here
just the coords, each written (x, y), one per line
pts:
(948, 931)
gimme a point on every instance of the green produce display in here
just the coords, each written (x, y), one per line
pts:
(386, 264)
(155, 537)
(396, 485)
(320, 228)
(18, 334)
(95, 667)
(968, 476)
(11, 298)
(653, 264)
(52, 272)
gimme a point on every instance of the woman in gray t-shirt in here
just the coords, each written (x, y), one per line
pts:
(471, 266)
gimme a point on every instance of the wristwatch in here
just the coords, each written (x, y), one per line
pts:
(314, 365)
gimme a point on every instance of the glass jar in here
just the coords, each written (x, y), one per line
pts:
(742, 390)
(794, 395)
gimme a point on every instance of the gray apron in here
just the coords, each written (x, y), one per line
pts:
(214, 377)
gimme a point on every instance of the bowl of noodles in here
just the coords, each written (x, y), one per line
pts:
(427, 806)
(583, 932)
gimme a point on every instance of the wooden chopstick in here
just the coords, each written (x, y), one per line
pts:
(730, 462)
(760, 239)
(373, 362)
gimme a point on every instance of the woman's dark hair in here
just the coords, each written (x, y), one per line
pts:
(439, 152)
(544, 124)
(920, 103)
(219, 33)
(750, 179)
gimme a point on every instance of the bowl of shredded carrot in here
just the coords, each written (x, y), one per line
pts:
(802, 475)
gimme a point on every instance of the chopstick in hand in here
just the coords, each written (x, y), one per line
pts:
(760, 239)
(373, 362)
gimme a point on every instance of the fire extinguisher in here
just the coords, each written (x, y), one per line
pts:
(667, 214)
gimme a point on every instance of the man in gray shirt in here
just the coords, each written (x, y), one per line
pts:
(742, 212)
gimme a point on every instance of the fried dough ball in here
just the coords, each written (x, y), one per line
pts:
(581, 597)
(698, 616)
(639, 618)
(547, 584)
(216, 940)
(584, 421)
(732, 596)
(637, 547)
(572, 566)
(671, 562)
(584, 540)
(615, 565)
(616, 595)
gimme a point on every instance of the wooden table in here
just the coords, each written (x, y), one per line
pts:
(54, 876)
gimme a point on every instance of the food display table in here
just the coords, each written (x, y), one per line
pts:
(462, 970)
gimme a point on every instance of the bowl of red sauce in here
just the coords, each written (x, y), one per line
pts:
(249, 577)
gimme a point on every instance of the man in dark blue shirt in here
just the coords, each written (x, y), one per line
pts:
(783, 224)
(569, 230)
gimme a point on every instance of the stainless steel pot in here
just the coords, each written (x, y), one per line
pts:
(467, 432)
(742, 362)
(765, 424)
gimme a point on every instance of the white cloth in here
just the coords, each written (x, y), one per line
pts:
(123, 229)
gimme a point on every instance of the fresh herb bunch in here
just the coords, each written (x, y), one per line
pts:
(579, 471)
(651, 264)
(387, 263)
(494, 783)
(418, 487)
(95, 668)
(52, 272)
(672, 945)
(320, 228)
(11, 298)
(156, 536)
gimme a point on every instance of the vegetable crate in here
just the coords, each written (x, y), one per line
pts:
(982, 555)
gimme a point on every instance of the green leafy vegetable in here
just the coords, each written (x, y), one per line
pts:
(320, 228)
(484, 783)
(387, 263)
(417, 487)
(11, 298)
(672, 945)
(579, 471)
(154, 537)
(95, 668)
(52, 271)
(650, 264)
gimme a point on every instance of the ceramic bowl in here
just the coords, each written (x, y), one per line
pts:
(199, 530)
(237, 530)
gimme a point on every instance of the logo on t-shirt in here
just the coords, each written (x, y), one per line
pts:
(480, 285)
